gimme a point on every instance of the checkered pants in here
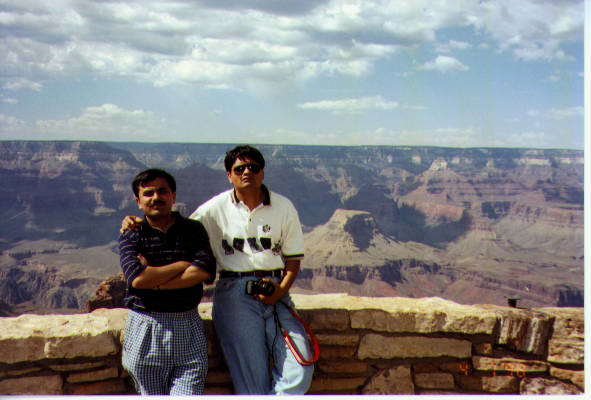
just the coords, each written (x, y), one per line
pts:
(165, 353)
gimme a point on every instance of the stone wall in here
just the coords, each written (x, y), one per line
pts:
(368, 346)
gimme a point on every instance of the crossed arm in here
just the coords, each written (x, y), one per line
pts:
(189, 277)
(177, 275)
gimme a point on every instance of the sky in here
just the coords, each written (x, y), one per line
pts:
(461, 73)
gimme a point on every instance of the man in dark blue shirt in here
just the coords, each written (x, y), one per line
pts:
(165, 263)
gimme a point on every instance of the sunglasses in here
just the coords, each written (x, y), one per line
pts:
(253, 168)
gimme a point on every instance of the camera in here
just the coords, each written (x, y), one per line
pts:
(260, 286)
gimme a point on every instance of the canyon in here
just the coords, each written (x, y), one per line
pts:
(476, 225)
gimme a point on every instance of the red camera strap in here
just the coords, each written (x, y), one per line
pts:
(294, 350)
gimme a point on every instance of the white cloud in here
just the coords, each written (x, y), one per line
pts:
(241, 43)
(457, 137)
(107, 122)
(22, 83)
(452, 136)
(532, 30)
(110, 121)
(524, 139)
(291, 136)
(445, 137)
(444, 64)
(351, 105)
(557, 113)
(10, 126)
(565, 113)
(414, 108)
(448, 137)
(8, 100)
(452, 45)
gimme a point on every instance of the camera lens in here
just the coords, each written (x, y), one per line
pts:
(267, 288)
(261, 286)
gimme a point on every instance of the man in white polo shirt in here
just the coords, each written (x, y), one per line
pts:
(256, 234)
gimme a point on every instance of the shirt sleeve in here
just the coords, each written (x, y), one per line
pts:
(128, 251)
(203, 257)
(205, 215)
(201, 215)
(292, 245)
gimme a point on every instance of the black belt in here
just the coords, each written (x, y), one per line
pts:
(278, 273)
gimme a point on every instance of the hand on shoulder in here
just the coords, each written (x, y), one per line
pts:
(130, 222)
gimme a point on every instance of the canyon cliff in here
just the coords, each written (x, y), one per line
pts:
(472, 225)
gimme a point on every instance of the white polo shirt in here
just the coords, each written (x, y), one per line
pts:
(244, 240)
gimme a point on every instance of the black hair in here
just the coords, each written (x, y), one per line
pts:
(243, 152)
(148, 176)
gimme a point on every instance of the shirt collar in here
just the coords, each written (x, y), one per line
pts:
(266, 200)
(177, 217)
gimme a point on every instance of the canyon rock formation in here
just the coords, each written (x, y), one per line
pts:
(475, 225)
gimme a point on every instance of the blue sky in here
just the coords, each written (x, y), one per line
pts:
(440, 73)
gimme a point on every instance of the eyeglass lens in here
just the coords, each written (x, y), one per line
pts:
(254, 168)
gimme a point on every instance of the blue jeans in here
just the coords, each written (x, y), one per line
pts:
(249, 337)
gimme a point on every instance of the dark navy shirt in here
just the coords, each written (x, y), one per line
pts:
(185, 240)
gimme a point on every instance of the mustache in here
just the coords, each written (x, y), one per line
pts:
(158, 203)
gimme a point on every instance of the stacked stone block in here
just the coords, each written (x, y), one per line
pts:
(368, 346)
(63, 354)
(435, 346)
